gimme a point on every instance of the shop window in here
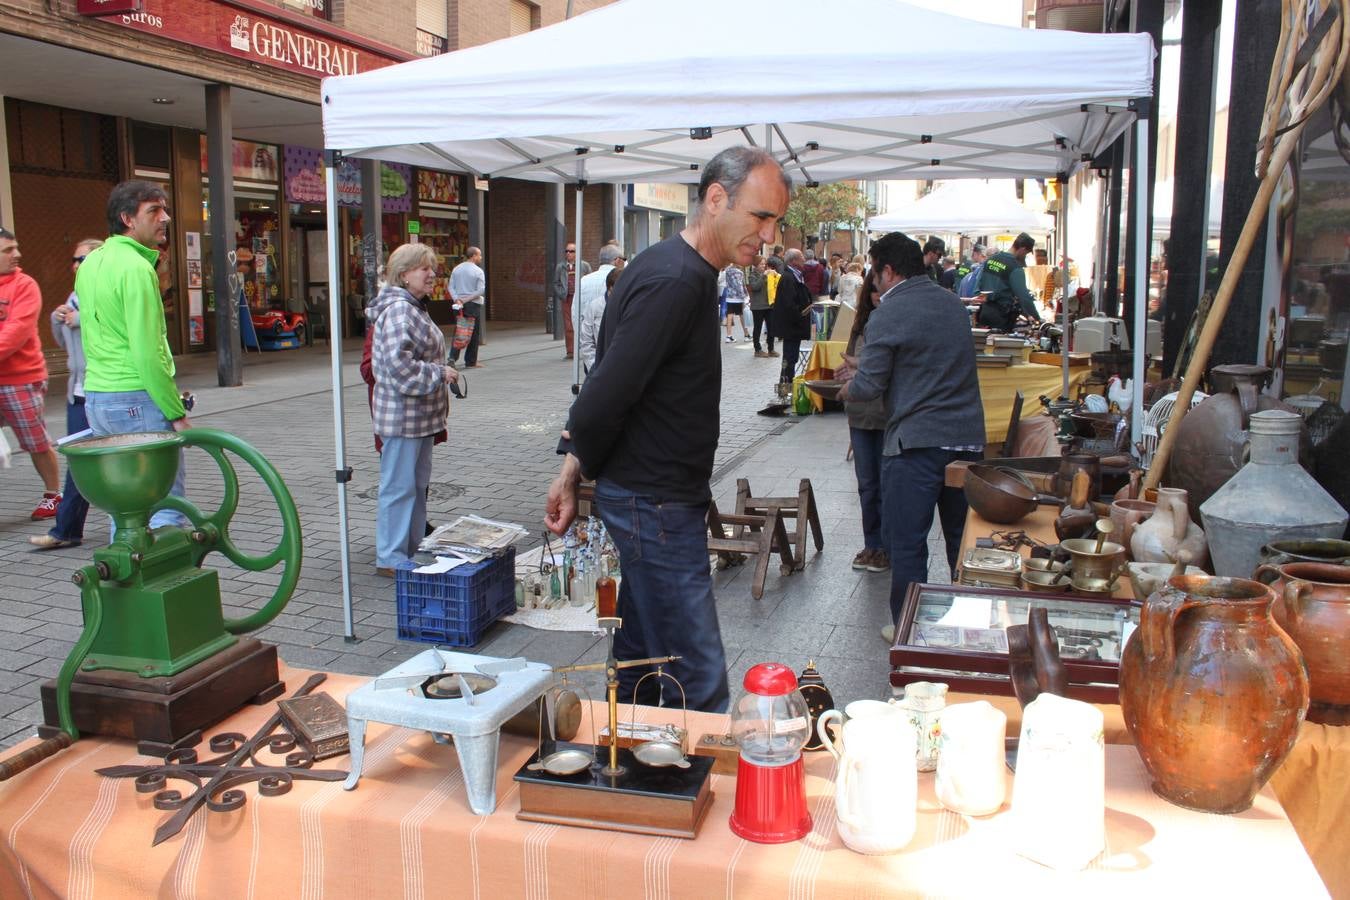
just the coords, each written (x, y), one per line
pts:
(150, 147)
(319, 9)
(524, 17)
(66, 142)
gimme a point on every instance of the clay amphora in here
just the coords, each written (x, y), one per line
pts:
(1212, 691)
(1212, 440)
(1169, 532)
(1312, 603)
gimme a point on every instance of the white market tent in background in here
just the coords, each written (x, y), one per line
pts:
(964, 207)
(650, 90)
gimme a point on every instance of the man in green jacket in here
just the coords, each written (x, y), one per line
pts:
(129, 376)
(1004, 284)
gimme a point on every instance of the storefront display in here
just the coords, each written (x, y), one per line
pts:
(443, 224)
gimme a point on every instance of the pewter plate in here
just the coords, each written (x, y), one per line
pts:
(660, 754)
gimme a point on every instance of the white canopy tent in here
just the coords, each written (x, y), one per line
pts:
(963, 207)
(648, 90)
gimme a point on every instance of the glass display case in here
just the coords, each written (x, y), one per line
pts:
(958, 635)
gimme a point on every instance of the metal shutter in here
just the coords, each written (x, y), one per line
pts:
(431, 17)
(522, 16)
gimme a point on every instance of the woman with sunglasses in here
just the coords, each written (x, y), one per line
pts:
(73, 508)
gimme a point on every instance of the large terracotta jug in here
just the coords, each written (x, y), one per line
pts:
(1169, 532)
(1312, 603)
(1212, 691)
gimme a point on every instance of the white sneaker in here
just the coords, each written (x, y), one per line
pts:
(888, 633)
(730, 339)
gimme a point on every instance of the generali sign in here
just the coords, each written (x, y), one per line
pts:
(240, 30)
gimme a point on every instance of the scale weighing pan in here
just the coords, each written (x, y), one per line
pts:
(563, 762)
(659, 754)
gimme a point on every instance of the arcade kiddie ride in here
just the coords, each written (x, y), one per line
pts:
(157, 660)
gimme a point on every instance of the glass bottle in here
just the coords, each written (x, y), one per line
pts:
(606, 592)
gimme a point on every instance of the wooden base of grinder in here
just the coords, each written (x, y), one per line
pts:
(161, 712)
(667, 801)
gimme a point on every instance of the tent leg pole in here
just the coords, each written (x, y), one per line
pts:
(1139, 182)
(576, 299)
(1064, 261)
(343, 474)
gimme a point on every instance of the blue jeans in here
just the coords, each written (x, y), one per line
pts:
(911, 485)
(665, 598)
(401, 517)
(867, 444)
(71, 513)
(131, 412)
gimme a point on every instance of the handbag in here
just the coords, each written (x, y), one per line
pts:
(463, 332)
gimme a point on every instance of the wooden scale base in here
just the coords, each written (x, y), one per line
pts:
(168, 712)
(667, 801)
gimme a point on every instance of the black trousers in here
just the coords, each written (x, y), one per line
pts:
(473, 311)
(761, 317)
(792, 348)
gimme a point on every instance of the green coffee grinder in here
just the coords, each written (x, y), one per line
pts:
(157, 660)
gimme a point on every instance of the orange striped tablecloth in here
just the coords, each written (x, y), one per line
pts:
(407, 832)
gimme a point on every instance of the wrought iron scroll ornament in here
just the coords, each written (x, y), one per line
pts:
(218, 780)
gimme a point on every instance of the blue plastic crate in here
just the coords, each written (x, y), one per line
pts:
(455, 607)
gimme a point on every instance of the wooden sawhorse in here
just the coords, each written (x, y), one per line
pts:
(801, 507)
(738, 535)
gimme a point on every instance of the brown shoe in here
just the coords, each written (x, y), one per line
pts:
(384, 571)
(862, 560)
(880, 561)
(47, 542)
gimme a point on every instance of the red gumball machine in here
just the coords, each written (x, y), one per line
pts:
(770, 724)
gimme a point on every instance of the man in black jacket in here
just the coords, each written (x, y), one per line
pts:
(645, 427)
(790, 317)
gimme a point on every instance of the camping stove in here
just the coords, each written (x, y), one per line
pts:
(464, 696)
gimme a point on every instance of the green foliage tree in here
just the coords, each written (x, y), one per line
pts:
(836, 204)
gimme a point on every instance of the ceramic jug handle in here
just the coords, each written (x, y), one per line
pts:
(842, 807)
(1294, 591)
(1247, 399)
(1267, 574)
(828, 716)
(1157, 623)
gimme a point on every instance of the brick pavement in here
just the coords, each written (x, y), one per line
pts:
(498, 463)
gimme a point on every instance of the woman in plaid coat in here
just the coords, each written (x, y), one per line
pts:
(411, 401)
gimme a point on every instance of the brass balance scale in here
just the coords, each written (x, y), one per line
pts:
(654, 787)
(157, 661)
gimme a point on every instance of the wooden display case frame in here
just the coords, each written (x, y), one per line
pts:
(983, 669)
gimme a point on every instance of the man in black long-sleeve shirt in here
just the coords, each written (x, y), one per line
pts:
(645, 427)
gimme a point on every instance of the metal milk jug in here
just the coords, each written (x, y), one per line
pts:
(1271, 498)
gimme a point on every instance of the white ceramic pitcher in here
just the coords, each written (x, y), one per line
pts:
(923, 702)
(876, 784)
(1059, 793)
(971, 776)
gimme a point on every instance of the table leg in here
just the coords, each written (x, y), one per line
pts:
(356, 743)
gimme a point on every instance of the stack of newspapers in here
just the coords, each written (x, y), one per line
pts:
(472, 538)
